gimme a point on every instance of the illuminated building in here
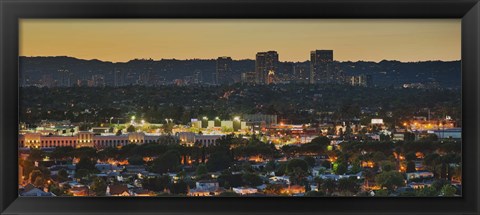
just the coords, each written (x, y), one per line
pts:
(248, 77)
(84, 139)
(265, 63)
(190, 138)
(223, 70)
(322, 69)
(360, 80)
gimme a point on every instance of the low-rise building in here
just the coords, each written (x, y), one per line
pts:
(84, 139)
(117, 190)
(245, 190)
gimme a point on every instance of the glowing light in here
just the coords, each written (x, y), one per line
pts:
(133, 118)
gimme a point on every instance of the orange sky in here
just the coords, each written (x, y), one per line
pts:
(122, 40)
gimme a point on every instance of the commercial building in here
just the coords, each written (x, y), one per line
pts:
(266, 65)
(84, 139)
(360, 80)
(223, 70)
(190, 138)
(322, 68)
(260, 120)
(248, 77)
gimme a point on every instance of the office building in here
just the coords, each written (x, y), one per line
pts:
(223, 70)
(322, 68)
(266, 65)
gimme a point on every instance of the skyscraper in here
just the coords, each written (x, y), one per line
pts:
(266, 64)
(64, 78)
(119, 78)
(322, 69)
(224, 70)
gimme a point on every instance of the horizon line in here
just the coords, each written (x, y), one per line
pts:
(186, 59)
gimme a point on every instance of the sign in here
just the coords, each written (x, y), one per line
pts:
(377, 121)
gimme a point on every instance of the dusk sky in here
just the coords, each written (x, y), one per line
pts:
(352, 40)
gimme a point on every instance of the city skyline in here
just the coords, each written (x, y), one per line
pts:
(370, 40)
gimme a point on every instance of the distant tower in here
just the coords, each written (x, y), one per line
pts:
(119, 78)
(64, 78)
(223, 70)
(198, 78)
(265, 63)
(321, 66)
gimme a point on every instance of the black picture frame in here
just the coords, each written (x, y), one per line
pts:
(12, 10)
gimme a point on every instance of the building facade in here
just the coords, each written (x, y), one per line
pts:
(266, 66)
(84, 139)
(223, 70)
(322, 68)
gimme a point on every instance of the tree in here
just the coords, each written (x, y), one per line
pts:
(99, 186)
(411, 166)
(36, 155)
(438, 184)
(356, 168)
(201, 170)
(227, 180)
(119, 132)
(157, 184)
(169, 161)
(85, 152)
(252, 179)
(270, 166)
(427, 192)
(86, 164)
(431, 161)
(348, 185)
(181, 187)
(135, 160)
(39, 182)
(34, 174)
(218, 161)
(310, 161)
(296, 163)
(340, 168)
(229, 194)
(448, 190)
(273, 189)
(82, 173)
(387, 166)
(381, 193)
(410, 156)
(131, 128)
(62, 175)
(55, 189)
(390, 179)
(329, 186)
(62, 153)
(378, 156)
(314, 194)
(321, 140)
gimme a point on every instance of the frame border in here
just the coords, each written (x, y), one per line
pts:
(12, 10)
